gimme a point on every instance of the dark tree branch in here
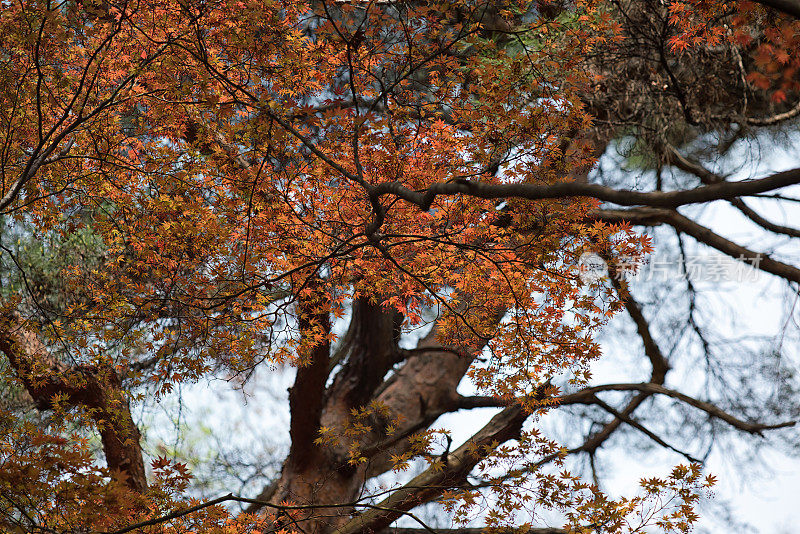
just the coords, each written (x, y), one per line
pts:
(754, 216)
(306, 397)
(534, 530)
(432, 482)
(481, 401)
(708, 177)
(265, 496)
(670, 199)
(93, 387)
(658, 362)
(651, 216)
(789, 7)
(659, 369)
(638, 426)
(586, 396)
(283, 508)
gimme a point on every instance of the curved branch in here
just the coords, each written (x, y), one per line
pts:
(780, 117)
(659, 364)
(659, 369)
(651, 216)
(587, 395)
(257, 504)
(670, 199)
(534, 530)
(638, 426)
(708, 177)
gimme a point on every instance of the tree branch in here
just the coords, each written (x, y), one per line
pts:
(708, 177)
(670, 199)
(658, 373)
(638, 426)
(430, 484)
(586, 396)
(534, 530)
(780, 117)
(789, 7)
(480, 401)
(651, 216)
(93, 387)
(659, 364)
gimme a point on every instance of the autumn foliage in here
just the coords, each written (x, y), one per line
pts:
(228, 178)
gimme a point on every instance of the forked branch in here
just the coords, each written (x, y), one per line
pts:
(432, 482)
(96, 388)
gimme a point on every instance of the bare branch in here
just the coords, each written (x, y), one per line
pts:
(780, 117)
(585, 396)
(430, 484)
(534, 530)
(670, 199)
(638, 426)
(480, 401)
(658, 373)
(650, 216)
(708, 177)
(659, 364)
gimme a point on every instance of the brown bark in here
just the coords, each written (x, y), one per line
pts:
(96, 388)
(431, 483)
(306, 396)
(659, 199)
(421, 390)
(322, 474)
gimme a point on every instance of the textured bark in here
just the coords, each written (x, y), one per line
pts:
(306, 396)
(415, 395)
(322, 474)
(422, 389)
(430, 483)
(660, 199)
(93, 387)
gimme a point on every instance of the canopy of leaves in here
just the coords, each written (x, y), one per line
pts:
(205, 187)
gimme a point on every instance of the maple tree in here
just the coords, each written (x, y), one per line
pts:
(213, 185)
